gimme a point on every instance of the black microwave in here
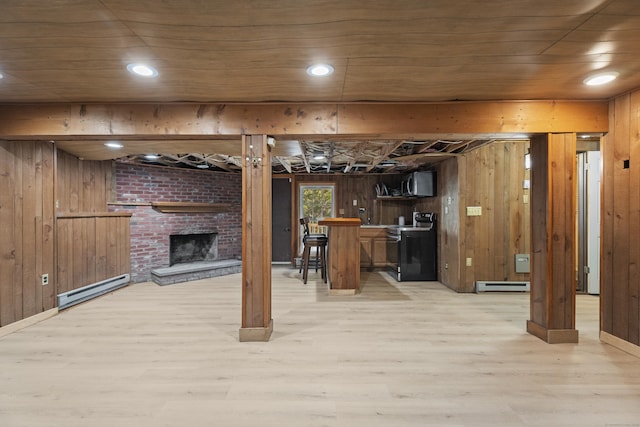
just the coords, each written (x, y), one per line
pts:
(419, 184)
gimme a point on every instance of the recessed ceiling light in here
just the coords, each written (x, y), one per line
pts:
(600, 79)
(320, 70)
(143, 70)
(113, 144)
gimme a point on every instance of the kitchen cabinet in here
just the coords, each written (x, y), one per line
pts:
(373, 246)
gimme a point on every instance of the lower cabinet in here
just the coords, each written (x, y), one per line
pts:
(373, 247)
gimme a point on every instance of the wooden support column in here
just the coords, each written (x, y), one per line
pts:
(257, 323)
(553, 213)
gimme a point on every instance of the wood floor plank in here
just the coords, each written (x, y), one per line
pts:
(397, 354)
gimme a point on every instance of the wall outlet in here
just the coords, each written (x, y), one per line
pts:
(469, 262)
(446, 265)
(525, 198)
(45, 279)
(355, 202)
(474, 210)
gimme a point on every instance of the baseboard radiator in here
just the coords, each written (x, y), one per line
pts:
(502, 286)
(93, 290)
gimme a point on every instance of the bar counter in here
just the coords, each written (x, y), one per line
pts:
(343, 260)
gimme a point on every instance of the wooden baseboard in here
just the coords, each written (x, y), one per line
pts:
(620, 344)
(256, 334)
(552, 336)
(29, 321)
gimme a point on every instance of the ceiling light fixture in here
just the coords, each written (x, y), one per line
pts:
(142, 70)
(114, 145)
(318, 155)
(600, 79)
(320, 70)
(151, 156)
(202, 166)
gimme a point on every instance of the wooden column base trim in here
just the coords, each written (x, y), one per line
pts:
(552, 336)
(256, 334)
(338, 292)
(29, 321)
(620, 344)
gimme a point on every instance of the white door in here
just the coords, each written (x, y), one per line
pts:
(593, 222)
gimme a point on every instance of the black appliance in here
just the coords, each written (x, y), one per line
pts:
(412, 251)
(419, 184)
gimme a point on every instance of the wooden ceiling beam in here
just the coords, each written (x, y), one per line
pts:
(194, 121)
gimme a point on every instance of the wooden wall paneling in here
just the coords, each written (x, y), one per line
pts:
(90, 255)
(102, 246)
(91, 248)
(634, 219)
(83, 185)
(606, 231)
(28, 226)
(621, 219)
(482, 264)
(518, 210)
(18, 252)
(500, 211)
(8, 281)
(49, 291)
(124, 239)
(472, 236)
(462, 229)
(64, 242)
(38, 197)
(77, 252)
(113, 261)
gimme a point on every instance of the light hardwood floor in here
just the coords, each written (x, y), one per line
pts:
(397, 354)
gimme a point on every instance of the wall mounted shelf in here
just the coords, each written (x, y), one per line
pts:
(189, 207)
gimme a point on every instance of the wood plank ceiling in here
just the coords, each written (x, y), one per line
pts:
(249, 51)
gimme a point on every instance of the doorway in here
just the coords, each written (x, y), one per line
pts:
(281, 221)
(588, 223)
(315, 201)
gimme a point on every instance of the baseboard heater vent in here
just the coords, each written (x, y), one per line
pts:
(93, 290)
(502, 286)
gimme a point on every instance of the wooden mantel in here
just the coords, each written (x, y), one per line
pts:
(189, 207)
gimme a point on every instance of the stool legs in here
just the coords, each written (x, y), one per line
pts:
(306, 254)
(320, 256)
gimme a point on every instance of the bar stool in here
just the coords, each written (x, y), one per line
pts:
(318, 241)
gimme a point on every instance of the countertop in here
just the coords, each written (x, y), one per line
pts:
(331, 222)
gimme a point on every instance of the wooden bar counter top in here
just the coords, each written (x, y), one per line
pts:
(343, 263)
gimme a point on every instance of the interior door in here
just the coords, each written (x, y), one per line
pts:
(281, 220)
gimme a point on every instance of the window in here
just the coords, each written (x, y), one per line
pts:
(316, 202)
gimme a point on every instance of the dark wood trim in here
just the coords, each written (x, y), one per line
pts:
(93, 214)
(189, 207)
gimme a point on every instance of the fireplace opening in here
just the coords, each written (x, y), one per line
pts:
(185, 248)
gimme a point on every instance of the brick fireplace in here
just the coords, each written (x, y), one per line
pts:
(138, 186)
(185, 248)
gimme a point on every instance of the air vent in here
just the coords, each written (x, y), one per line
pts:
(502, 286)
(84, 293)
